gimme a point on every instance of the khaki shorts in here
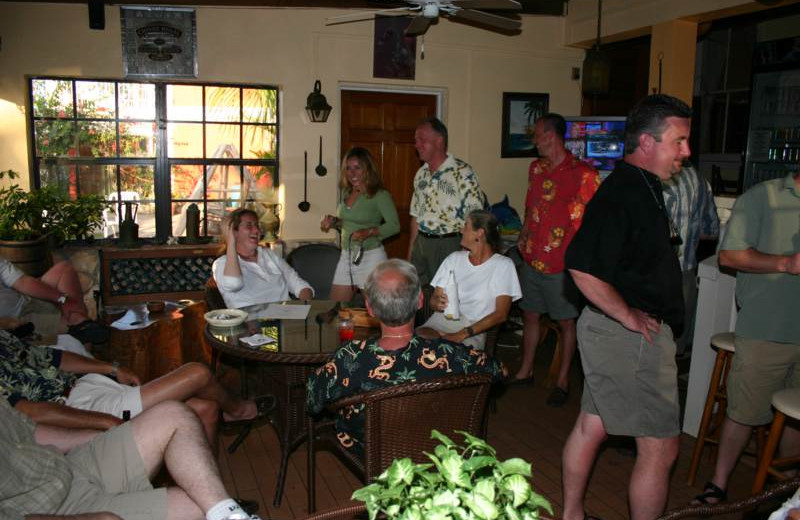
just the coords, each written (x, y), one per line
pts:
(45, 316)
(760, 368)
(631, 384)
(108, 474)
(99, 393)
(552, 294)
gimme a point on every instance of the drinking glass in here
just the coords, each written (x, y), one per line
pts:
(346, 329)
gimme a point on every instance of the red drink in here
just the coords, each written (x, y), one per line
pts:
(346, 330)
(346, 334)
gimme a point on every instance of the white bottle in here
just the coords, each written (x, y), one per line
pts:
(451, 289)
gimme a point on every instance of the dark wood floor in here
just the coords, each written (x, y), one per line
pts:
(522, 427)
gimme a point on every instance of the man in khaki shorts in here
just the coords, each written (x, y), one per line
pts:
(762, 242)
(622, 260)
(57, 471)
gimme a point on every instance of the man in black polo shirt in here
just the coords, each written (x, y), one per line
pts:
(622, 260)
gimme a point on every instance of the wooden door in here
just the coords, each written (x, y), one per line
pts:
(384, 124)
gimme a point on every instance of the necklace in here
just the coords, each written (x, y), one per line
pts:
(674, 236)
(397, 335)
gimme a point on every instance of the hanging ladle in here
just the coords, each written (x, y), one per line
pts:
(305, 206)
(321, 169)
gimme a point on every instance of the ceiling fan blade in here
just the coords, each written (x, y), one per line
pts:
(365, 15)
(418, 26)
(499, 22)
(487, 4)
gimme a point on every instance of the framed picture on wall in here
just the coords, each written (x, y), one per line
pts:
(394, 53)
(159, 42)
(520, 112)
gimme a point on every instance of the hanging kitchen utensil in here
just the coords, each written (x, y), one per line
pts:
(321, 169)
(305, 206)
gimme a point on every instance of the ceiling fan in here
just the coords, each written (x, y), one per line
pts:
(425, 12)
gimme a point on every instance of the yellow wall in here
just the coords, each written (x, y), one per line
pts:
(291, 48)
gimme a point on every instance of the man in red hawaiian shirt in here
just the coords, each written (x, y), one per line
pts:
(559, 187)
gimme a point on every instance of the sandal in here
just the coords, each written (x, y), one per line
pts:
(710, 490)
(90, 331)
(557, 397)
(264, 406)
(520, 381)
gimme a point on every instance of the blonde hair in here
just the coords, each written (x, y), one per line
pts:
(372, 179)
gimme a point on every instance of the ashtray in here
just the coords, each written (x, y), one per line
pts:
(226, 317)
(155, 306)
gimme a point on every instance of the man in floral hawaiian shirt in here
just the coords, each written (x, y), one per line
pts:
(445, 190)
(396, 356)
(559, 187)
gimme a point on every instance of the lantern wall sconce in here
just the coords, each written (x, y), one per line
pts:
(596, 66)
(317, 106)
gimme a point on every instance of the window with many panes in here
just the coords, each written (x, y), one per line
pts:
(161, 146)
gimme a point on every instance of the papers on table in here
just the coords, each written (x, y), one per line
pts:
(257, 340)
(277, 311)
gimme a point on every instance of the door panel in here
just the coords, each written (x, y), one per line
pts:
(384, 124)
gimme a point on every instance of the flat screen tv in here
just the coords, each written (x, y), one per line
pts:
(598, 141)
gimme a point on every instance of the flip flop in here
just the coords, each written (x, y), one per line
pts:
(264, 406)
(557, 397)
(710, 490)
(520, 381)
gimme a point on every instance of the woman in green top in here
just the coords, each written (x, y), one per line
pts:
(366, 216)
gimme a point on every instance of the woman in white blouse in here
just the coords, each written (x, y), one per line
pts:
(249, 274)
(486, 285)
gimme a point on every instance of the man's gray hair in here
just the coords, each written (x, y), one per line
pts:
(392, 290)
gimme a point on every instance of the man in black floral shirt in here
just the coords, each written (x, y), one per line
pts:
(396, 356)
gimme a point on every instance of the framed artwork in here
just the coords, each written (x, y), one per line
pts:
(520, 112)
(394, 54)
(159, 42)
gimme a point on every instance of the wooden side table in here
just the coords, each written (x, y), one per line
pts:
(154, 343)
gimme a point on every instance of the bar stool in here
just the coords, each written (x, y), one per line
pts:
(786, 404)
(717, 397)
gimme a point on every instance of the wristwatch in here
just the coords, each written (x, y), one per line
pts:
(62, 299)
(114, 368)
(470, 331)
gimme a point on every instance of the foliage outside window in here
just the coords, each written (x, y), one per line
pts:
(160, 145)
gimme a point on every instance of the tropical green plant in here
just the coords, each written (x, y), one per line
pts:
(462, 482)
(28, 215)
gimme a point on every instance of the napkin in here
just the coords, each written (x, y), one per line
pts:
(257, 339)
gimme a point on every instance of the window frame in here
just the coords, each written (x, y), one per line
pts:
(161, 162)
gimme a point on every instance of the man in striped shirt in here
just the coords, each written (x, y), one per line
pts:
(691, 208)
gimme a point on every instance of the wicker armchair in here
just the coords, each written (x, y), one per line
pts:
(316, 264)
(212, 296)
(399, 420)
(781, 489)
(353, 512)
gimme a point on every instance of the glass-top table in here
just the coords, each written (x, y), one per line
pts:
(301, 346)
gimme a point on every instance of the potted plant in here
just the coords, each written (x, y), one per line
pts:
(460, 482)
(31, 219)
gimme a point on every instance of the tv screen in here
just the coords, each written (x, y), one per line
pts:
(598, 141)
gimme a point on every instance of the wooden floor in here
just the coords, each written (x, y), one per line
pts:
(522, 427)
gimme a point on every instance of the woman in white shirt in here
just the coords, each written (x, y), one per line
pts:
(486, 285)
(249, 274)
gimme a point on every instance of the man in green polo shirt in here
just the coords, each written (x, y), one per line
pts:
(762, 242)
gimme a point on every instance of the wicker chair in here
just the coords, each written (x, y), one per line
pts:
(353, 512)
(316, 264)
(213, 297)
(782, 489)
(399, 419)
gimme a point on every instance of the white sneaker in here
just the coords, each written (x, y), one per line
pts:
(241, 516)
